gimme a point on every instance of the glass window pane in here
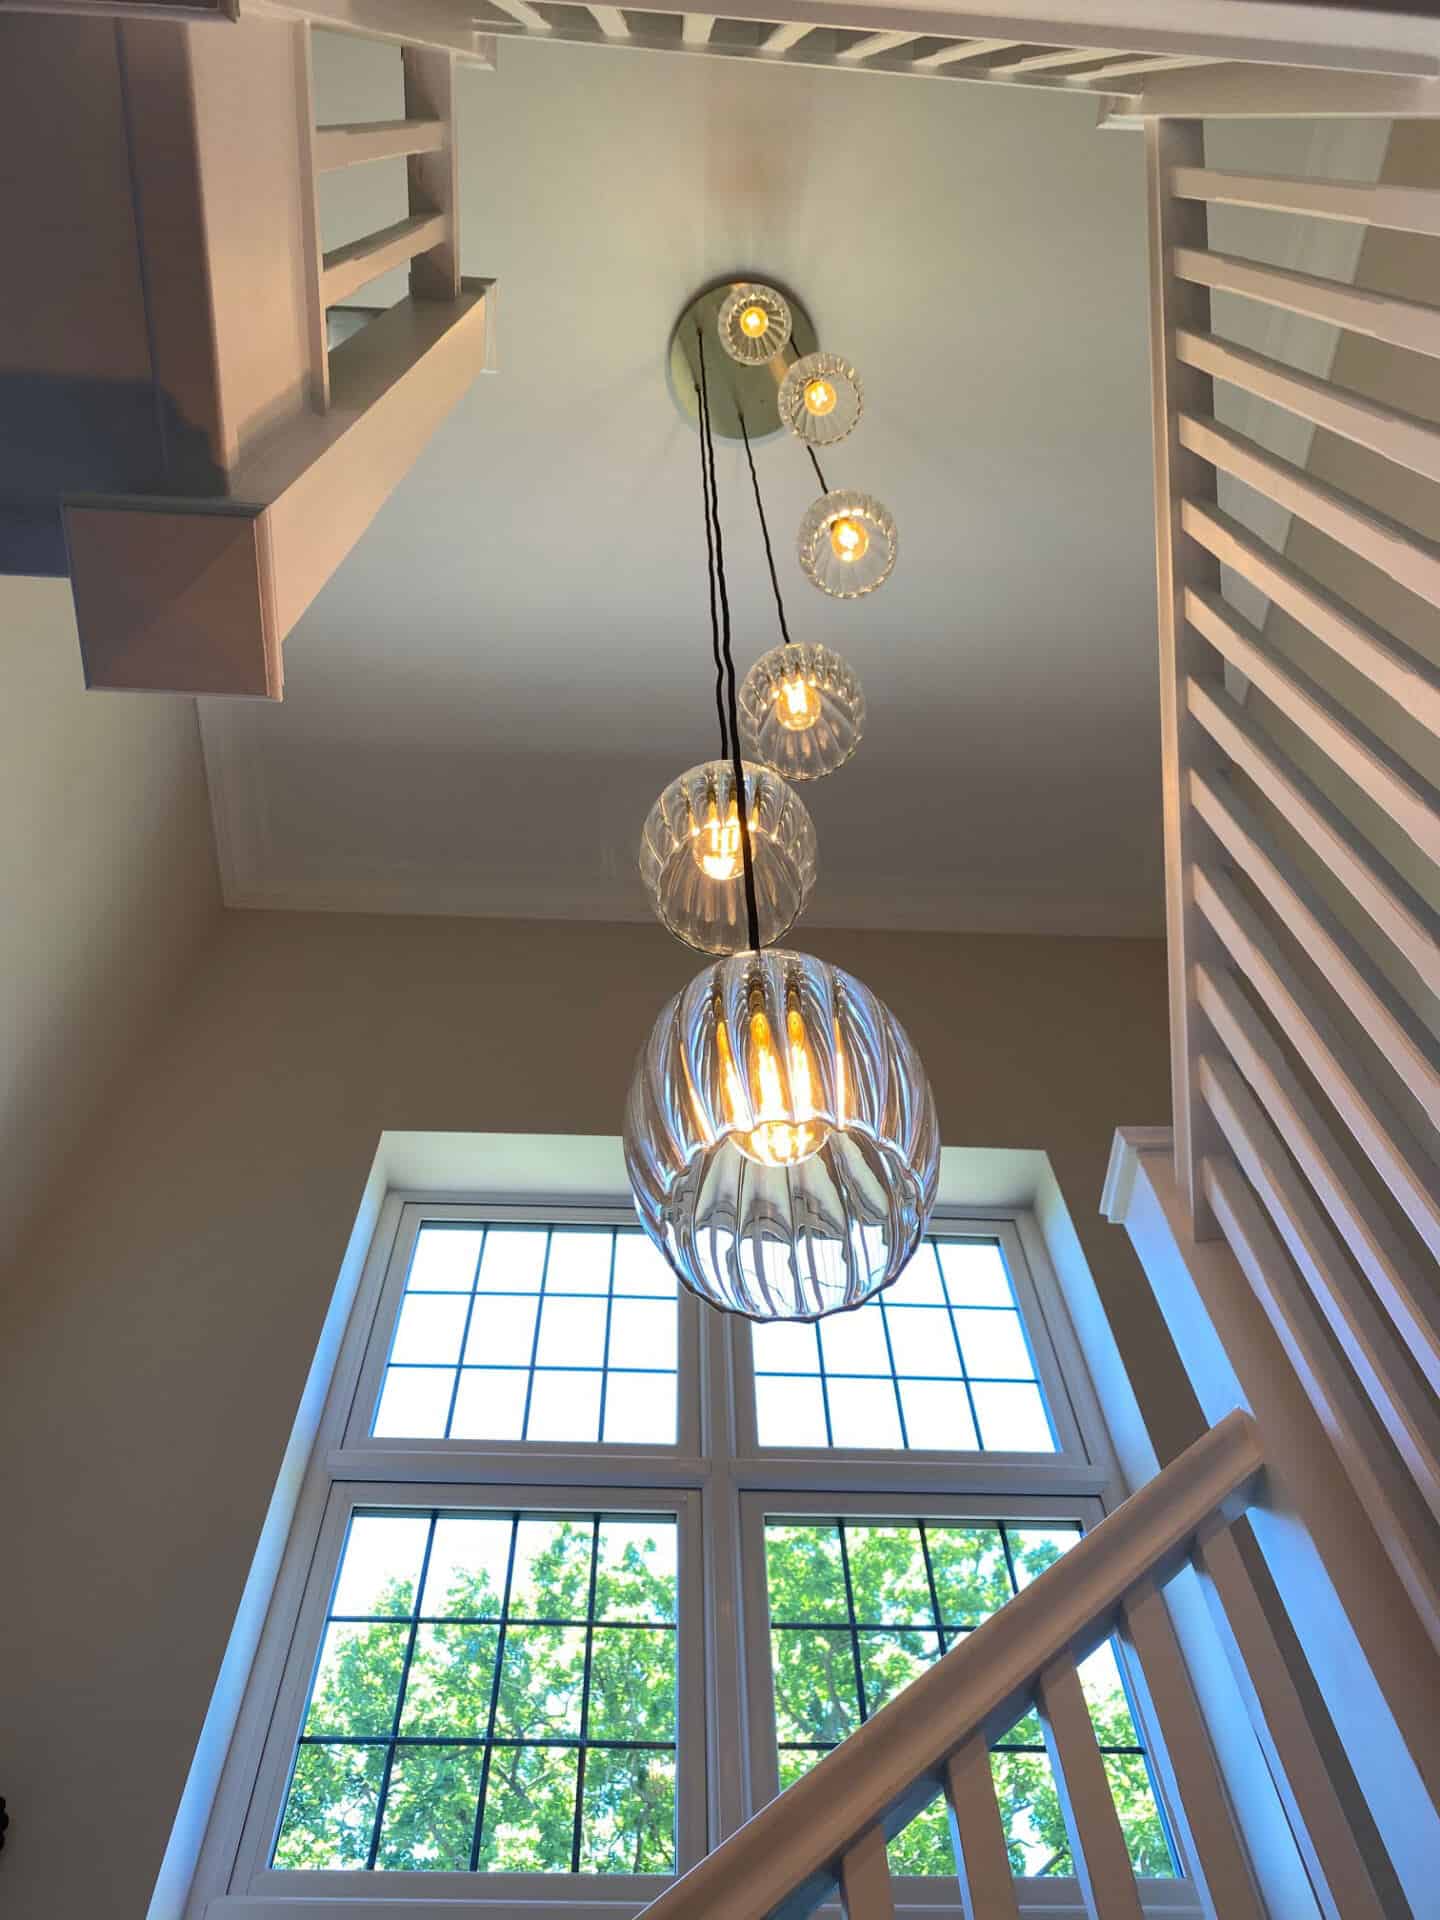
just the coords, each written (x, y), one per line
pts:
(919, 1283)
(1033, 1549)
(444, 1259)
(815, 1696)
(924, 1846)
(414, 1402)
(887, 1574)
(804, 1570)
(542, 1677)
(993, 1344)
(863, 1413)
(572, 1333)
(551, 1580)
(1106, 1698)
(1133, 1792)
(890, 1661)
(628, 1824)
(381, 1564)
(502, 1331)
(640, 1267)
(785, 1346)
(429, 1329)
(489, 1404)
(642, 1333)
(854, 1342)
(937, 1416)
(922, 1343)
(789, 1413)
(579, 1260)
(430, 1809)
(468, 1559)
(640, 1409)
(564, 1406)
(970, 1572)
(636, 1575)
(529, 1810)
(1012, 1418)
(452, 1675)
(632, 1684)
(1030, 1814)
(514, 1260)
(357, 1683)
(975, 1273)
(330, 1810)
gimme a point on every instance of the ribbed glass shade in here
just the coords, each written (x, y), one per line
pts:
(847, 544)
(780, 1138)
(742, 333)
(692, 863)
(801, 711)
(821, 399)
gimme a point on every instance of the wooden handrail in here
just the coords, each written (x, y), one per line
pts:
(784, 1861)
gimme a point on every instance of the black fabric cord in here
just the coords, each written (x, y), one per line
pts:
(764, 532)
(816, 464)
(703, 404)
(742, 811)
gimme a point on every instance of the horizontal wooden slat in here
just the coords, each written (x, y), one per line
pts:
(1409, 1174)
(1405, 1406)
(1411, 561)
(873, 44)
(1097, 1844)
(982, 1859)
(348, 146)
(351, 266)
(1373, 1243)
(1399, 323)
(1369, 999)
(529, 17)
(1398, 913)
(1139, 64)
(1404, 209)
(1405, 677)
(1401, 437)
(696, 28)
(963, 50)
(1359, 757)
(1049, 61)
(782, 38)
(611, 22)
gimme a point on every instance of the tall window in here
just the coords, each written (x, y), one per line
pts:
(559, 1509)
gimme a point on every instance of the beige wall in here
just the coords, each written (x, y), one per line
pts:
(162, 1320)
(107, 879)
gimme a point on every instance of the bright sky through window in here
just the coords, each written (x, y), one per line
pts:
(533, 1333)
(939, 1361)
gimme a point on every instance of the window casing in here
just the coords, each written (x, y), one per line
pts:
(718, 1484)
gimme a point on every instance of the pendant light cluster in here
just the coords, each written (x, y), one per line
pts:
(780, 1134)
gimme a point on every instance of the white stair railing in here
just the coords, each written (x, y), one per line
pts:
(829, 1830)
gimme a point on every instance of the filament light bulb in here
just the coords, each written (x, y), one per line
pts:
(787, 1130)
(797, 703)
(849, 539)
(754, 321)
(716, 845)
(820, 398)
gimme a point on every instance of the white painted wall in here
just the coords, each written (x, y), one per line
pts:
(107, 878)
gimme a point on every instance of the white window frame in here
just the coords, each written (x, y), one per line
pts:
(719, 1483)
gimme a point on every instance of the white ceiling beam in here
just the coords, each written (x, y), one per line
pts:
(876, 43)
(783, 38)
(696, 28)
(1148, 63)
(611, 22)
(966, 50)
(1042, 62)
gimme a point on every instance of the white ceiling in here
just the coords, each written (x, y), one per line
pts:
(482, 704)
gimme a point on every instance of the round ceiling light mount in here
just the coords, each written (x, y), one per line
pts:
(821, 399)
(802, 710)
(751, 385)
(692, 863)
(781, 1139)
(847, 544)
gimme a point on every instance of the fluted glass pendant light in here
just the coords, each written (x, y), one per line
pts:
(847, 544)
(780, 1134)
(754, 323)
(693, 867)
(781, 1139)
(802, 710)
(821, 399)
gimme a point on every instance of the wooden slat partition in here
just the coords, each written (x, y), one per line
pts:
(1405, 209)
(963, 50)
(350, 266)
(353, 145)
(432, 173)
(1399, 323)
(1097, 1845)
(874, 44)
(865, 1889)
(982, 1859)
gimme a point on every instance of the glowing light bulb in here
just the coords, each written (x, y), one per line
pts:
(797, 703)
(716, 845)
(753, 321)
(820, 397)
(787, 1131)
(848, 538)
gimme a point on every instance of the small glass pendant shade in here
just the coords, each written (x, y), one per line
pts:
(781, 1139)
(693, 866)
(847, 544)
(754, 324)
(801, 711)
(821, 399)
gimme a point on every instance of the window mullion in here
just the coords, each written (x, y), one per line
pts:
(585, 1678)
(494, 1694)
(384, 1792)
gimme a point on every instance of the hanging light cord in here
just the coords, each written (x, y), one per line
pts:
(701, 402)
(720, 638)
(764, 531)
(816, 464)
